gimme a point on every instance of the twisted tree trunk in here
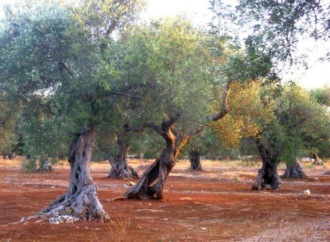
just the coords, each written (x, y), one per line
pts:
(195, 162)
(119, 165)
(294, 171)
(81, 200)
(267, 176)
(151, 184)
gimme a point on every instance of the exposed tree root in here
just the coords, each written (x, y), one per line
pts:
(84, 205)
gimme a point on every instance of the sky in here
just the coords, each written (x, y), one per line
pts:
(317, 75)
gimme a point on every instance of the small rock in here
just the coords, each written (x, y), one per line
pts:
(185, 199)
(307, 192)
(131, 184)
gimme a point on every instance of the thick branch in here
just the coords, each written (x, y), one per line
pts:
(224, 110)
(63, 65)
(186, 139)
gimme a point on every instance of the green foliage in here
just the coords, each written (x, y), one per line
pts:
(168, 65)
(49, 65)
(321, 95)
(301, 125)
(274, 27)
(250, 111)
(9, 136)
(29, 165)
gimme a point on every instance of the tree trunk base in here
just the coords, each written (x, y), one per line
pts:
(267, 180)
(142, 190)
(294, 171)
(124, 173)
(195, 162)
(83, 206)
(45, 166)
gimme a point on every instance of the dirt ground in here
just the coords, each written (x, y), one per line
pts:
(215, 204)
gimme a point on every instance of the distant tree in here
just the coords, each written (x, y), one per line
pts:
(300, 126)
(321, 95)
(119, 165)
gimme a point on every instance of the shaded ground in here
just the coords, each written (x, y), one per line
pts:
(213, 205)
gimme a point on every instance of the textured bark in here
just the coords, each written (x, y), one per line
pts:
(119, 165)
(151, 184)
(294, 171)
(195, 162)
(267, 176)
(81, 200)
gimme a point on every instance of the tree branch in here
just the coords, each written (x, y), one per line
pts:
(224, 110)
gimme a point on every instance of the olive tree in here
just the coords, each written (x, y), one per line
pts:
(167, 64)
(49, 61)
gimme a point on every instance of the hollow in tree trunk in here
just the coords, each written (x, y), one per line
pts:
(151, 184)
(267, 176)
(81, 200)
(294, 170)
(119, 166)
(195, 162)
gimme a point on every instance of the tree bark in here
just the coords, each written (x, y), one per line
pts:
(317, 160)
(195, 162)
(119, 165)
(294, 171)
(81, 200)
(267, 176)
(151, 184)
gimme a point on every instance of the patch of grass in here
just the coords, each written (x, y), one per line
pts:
(118, 227)
(13, 163)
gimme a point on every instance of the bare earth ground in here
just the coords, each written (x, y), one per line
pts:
(213, 205)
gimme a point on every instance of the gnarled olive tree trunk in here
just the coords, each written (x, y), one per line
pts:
(81, 200)
(294, 170)
(267, 176)
(119, 166)
(152, 182)
(195, 161)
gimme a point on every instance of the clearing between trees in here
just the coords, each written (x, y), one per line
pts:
(215, 204)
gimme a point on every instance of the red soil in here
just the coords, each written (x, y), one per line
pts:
(212, 205)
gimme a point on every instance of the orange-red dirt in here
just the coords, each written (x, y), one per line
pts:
(213, 205)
